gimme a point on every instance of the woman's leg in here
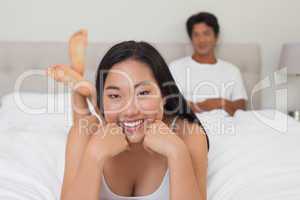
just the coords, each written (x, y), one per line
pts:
(77, 50)
(85, 124)
(84, 90)
(73, 77)
(81, 89)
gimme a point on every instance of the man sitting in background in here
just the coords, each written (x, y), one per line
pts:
(207, 82)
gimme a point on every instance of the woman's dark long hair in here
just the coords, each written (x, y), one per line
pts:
(175, 104)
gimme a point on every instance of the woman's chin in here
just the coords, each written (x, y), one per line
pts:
(135, 137)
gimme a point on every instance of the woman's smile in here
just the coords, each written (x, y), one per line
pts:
(129, 127)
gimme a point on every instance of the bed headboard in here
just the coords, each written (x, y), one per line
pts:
(26, 60)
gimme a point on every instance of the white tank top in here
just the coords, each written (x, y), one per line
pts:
(161, 193)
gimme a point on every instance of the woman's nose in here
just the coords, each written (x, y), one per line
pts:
(131, 109)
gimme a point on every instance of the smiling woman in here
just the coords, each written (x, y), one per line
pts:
(134, 83)
(150, 145)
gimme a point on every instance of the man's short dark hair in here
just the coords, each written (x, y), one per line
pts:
(203, 17)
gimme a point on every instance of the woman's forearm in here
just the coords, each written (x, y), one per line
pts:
(87, 182)
(183, 183)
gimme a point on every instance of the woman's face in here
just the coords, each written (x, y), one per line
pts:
(131, 96)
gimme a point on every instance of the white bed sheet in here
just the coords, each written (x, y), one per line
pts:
(254, 161)
(257, 160)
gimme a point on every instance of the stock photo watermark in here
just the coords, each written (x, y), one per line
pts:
(277, 121)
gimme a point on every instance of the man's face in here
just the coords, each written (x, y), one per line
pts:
(204, 39)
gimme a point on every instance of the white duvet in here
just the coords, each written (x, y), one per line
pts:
(257, 160)
(249, 157)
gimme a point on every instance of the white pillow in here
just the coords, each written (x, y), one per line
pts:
(26, 109)
(37, 102)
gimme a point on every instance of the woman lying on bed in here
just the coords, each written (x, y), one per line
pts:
(145, 143)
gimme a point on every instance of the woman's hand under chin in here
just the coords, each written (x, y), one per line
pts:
(108, 141)
(160, 139)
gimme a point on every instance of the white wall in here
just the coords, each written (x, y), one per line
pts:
(269, 23)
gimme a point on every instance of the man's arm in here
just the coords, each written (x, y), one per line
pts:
(218, 103)
(232, 106)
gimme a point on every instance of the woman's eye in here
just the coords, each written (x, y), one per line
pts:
(145, 92)
(113, 96)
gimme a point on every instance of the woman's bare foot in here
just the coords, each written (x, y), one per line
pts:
(65, 74)
(77, 47)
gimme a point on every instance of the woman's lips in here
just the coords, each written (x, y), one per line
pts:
(132, 126)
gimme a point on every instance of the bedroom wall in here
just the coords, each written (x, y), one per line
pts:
(270, 24)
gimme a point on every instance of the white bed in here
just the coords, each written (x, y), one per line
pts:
(251, 158)
(251, 162)
(253, 155)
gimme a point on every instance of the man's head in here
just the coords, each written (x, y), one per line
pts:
(203, 30)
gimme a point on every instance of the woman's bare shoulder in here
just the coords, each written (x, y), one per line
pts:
(185, 128)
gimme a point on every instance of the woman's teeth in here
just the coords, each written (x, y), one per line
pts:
(131, 127)
(133, 124)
